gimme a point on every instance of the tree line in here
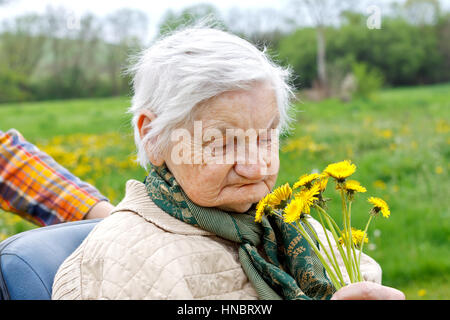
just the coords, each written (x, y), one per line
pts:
(56, 55)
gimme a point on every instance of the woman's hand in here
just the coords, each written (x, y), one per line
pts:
(367, 291)
(101, 209)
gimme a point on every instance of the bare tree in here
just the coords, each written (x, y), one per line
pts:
(21, 48)
(71, 64)
(85, 45)
(263, 26)
(126, 32)
(189, 16)
(321, 13)
(57, 34)
(22, 42)
(422, 12)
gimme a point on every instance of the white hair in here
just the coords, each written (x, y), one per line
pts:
(189, 66)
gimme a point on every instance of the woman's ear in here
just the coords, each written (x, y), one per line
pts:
(143, 125)
(144, 120)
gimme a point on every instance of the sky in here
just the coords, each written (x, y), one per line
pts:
(154, 9)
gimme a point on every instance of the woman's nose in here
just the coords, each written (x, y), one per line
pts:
(251, 171)
(254, 167)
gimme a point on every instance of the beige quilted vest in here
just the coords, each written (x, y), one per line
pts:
(141, 252)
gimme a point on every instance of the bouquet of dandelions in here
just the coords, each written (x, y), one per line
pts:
(293, 206)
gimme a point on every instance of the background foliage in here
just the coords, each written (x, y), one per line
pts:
(51, 56)
(386, 107)
(402, 155)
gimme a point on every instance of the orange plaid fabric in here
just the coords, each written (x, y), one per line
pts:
(37, 188)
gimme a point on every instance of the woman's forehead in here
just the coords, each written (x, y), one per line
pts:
(254, 109)
(241, 123)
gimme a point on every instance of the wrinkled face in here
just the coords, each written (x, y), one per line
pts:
(234, 150)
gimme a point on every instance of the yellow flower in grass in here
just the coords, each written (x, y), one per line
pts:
(357, 238)
(421, 292)
(379, 205)
(305, 180)
(379, 184)
(340, 170)
(280, 195)
(261, 208)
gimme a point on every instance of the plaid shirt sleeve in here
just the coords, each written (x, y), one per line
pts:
(34, 186)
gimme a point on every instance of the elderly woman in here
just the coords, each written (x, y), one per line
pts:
(188, 230)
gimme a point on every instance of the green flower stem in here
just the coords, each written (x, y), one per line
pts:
(298, 226)
(347, 234)
(354, 259)
(336, 263)
(362, 245)
(330, 221)
(311, 228)
(334, 260)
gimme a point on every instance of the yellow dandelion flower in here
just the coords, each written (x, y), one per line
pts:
(322, 182)
(357, 237)
(321, 185)
(351, 187)
(442, 126)
(354, 186)
(261, 208)
(379, 184)
(340, 170)
(379, 205)
(387, 133)
(280, 194)
(293, 210)
(308, 197)
(305, 180)
(421, 292)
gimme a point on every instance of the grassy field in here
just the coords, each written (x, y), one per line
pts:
(399, 139)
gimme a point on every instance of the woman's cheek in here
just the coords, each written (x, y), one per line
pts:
(202, 188)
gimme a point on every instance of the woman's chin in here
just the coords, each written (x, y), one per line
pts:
(238, 208)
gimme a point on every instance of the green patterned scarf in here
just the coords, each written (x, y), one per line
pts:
(290, 270)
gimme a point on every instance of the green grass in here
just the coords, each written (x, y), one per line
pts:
(399, 140)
